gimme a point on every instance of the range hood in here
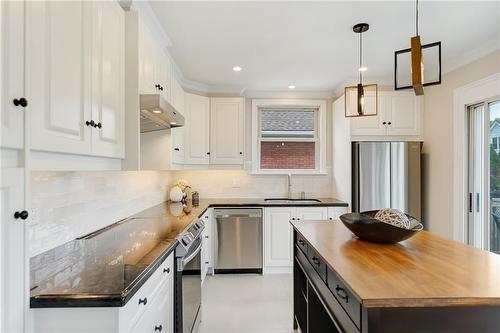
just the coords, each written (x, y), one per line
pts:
(158, 114)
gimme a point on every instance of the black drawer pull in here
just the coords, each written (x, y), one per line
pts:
(143, 301)
(158, 328)
(301, 242)
(342, 293)
(23, 102)
(166, 270)
(176, 149)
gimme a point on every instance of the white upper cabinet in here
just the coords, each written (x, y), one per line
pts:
(227, 130)
(197, 134)
(12, 85)
(75, 76)
(177, 133)
(399, 114)
(108, 84)
(155, 67)
(58, 75)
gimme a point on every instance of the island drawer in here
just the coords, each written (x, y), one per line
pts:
(345, 297)
(316, 262)
(302, 243)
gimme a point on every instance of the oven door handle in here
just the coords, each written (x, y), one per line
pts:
(187, 259)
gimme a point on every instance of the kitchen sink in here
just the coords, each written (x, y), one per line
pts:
(295, 201)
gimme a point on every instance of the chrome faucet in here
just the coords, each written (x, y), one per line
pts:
(289, 181)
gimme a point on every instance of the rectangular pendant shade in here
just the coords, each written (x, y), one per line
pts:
(361, 100)
(417, 67)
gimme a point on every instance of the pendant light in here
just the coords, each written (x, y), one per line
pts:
(361, 100)
(433, 62)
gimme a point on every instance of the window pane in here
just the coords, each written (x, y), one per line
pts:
(288, 155)
(494, 134)
(287, 123)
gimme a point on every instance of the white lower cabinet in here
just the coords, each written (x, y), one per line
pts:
(207, 245)
(335, 212)
(149, 310)
(278, 233)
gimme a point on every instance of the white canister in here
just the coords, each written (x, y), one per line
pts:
(176, 194)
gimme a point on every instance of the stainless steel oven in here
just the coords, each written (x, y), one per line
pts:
(188, 280)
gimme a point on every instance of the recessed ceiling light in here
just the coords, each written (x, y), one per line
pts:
(173, 123)
(363, 69)
(291, 86)
(157, 111)
(237, 68)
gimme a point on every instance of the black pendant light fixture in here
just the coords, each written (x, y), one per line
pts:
(361, 100)
(409, 63)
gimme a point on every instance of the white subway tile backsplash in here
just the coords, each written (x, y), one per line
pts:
(67, 205)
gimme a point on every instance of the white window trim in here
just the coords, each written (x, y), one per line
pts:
(463, 97)
(319, 104)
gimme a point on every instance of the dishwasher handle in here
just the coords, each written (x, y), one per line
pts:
(227, 213)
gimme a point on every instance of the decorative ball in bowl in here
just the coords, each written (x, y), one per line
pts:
(387, 226)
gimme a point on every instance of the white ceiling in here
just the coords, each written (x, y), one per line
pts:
(311, 44)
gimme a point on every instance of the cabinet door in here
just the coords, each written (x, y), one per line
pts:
(12, 69)
(369, 125)
(226, 130)
(12, 256)
(108, 84)
(312, 213)
(335, 212)
(147, 60)
(58, 75)
(177, 133)
(197, 133)
(404, 114)
(278, 237)
(165, 75)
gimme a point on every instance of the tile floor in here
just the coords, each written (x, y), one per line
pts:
(247, 304)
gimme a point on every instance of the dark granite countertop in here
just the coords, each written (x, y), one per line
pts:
(107, 267)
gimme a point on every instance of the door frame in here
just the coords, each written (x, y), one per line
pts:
(463, 97)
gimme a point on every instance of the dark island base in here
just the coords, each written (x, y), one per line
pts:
(318, 310)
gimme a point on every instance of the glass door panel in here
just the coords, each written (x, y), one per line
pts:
(493, 227)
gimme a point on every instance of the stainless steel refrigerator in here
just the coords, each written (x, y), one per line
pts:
(387, 175)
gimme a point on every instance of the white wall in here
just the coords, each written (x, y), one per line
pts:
(67, 205)
(438, 142)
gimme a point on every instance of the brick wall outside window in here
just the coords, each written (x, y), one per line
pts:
(288, 155)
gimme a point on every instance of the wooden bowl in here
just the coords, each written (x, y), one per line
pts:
(366, 227)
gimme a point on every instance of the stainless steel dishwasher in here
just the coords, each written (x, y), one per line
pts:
(238, 240)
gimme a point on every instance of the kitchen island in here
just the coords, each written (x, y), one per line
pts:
(424, 284)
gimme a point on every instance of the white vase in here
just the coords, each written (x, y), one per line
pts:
(176, 194)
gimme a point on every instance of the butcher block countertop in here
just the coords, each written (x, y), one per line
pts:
(424, 271)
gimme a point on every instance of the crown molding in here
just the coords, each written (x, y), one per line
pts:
(151, 20)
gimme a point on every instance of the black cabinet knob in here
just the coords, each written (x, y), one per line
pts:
(166, 270)
(208, 153)
(330, 218)
(389, 123)
(23, 102)
(161, 88)
(23, 215)
(176, 149)
(157, 86)
(206, 236)
(241, 153)
(384, 123)
(158, 328)
(90, 123)
(98, 125)
(143, 301)
(301, 242)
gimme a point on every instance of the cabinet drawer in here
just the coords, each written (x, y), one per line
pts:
(345, 297)
(316, 262)
(301, 242)
(142, 299)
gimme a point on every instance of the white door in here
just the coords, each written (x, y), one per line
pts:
(12, 251)
(197, 134)
(403, 114)
(370, 125)
(108, 79)
(335, 212)
(278, 237)
(177, 133)
(12, 69)
(227, 130)
(311, 213)
(58, 75)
